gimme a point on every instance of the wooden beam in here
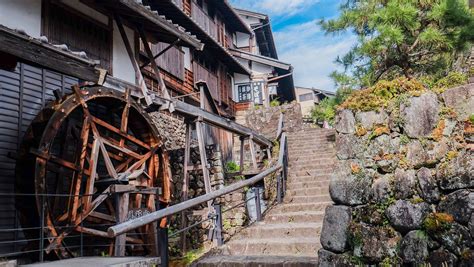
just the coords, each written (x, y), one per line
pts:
(202, 154)
(191, 111)
(134, 6)
(253, 153)
(121, 207)
(35, 52)
(133, 60)
(155, 68)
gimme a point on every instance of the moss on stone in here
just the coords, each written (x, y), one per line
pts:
(382, 93)
(437, 133)
(451, 155)
(360, 130)
(438, 222)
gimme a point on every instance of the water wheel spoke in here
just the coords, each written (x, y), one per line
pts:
(76, 185)
(117, 131)
(91, 143)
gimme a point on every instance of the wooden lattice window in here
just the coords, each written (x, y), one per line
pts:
(63, 25)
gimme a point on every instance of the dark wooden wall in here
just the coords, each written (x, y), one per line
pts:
(23, 93)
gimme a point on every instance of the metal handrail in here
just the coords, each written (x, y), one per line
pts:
(157, 215)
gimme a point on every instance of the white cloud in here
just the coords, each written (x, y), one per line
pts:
(283, 8)
(286, 7)
(312, 53)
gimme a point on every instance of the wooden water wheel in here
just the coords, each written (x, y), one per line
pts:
(93, 159)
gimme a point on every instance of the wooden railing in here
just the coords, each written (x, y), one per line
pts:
(203, 20)
(280, 168)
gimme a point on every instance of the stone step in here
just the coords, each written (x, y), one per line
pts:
(298, 157)
(304, 160)
(275, 246)
(299, 185)
(257, 260)
(323, 178)
(311, 191)
(307, 199)
(295, 217)
(311, 167)
(264, 230)
(290, 207)
(311, 172)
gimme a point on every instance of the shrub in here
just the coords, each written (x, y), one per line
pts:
(232, 167)
(451, 80)
(380, 95)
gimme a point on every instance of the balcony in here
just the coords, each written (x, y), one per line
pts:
(203, 20)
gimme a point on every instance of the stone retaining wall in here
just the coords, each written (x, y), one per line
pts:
(404, 184)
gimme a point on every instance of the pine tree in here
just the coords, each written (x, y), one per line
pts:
(402, 37)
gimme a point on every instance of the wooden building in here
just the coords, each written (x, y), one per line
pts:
(271, 78)
(47, 46)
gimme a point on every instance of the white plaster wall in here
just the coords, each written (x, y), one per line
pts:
(122, 66)
(22, 14)
(261, 68)
(250, 20)
(243, 39)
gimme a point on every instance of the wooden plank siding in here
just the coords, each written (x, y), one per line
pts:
(23, 93)
(172, 61)
(79, 33)
(203, 20)
(203, 74)
(187, 7)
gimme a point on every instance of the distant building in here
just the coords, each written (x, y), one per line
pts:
(310, 97)
(270, 78)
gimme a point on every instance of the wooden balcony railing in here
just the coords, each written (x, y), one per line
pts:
(203, 20)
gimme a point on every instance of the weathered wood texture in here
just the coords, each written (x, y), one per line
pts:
(33, 51)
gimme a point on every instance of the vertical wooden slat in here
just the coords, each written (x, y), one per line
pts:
(122, 201)
(253, 153)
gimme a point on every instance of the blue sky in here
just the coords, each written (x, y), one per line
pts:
(299, 39)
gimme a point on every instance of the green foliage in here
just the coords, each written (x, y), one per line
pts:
(326, 109)
(438, 222)
(382, 94)
(232, 167)
(192, 255)
(275, 103)
(401, 37)
(471, 118)
(451, 80)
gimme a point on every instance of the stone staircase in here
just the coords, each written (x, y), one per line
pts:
(289, 233)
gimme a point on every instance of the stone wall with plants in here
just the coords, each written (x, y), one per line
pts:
(403, 187)
(265, 120)
(197, 241)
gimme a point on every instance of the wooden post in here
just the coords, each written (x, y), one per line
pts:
(155, 68)
(184, 191)
(242, 147)
(121, 200)
(202, 153)
(258, 208)
(253, 153)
